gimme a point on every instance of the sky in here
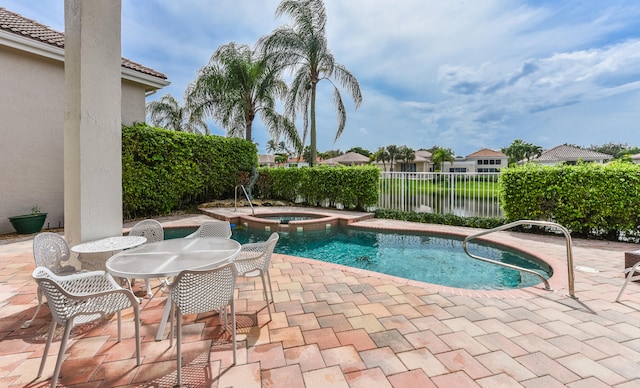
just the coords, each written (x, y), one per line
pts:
(461, 74)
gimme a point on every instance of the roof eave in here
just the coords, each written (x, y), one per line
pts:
(32, 46)
(152, 83)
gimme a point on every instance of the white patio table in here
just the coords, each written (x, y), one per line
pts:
(170, 257)
(92, 252)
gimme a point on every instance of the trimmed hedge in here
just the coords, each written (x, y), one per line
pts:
(589, 199)
(353, 187)
(165, 170)
(441, 218)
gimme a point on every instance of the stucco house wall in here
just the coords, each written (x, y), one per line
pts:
(32, 124)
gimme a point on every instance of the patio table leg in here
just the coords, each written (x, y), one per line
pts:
(165, 319)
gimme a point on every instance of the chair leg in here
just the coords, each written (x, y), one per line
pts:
(270, 288)
(119, 325)
(136, 317)
(179, 346)
(52, 329)
(630, 277)
(266, 296)
(30, 321)
(63, 347)
(173, 318)
(233, 328)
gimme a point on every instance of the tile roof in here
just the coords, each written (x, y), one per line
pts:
(266, 158)
(486, 152)
(348, 158)
(423, 155)
(17, 24)
(566, 152)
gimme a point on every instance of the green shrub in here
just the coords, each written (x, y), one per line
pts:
(165, 170)
(589, 199)
(441, 218)
(353, 187)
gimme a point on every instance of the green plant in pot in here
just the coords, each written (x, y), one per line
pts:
(29, 223)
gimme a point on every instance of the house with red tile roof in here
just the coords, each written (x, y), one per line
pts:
(32, 107)
(481, 161)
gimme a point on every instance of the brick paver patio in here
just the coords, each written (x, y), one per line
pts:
(341, 327)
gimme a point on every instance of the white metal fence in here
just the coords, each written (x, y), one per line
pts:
(462, 194)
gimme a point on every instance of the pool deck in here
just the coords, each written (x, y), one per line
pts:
(341, 327)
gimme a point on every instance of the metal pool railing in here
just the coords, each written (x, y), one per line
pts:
(462, 194)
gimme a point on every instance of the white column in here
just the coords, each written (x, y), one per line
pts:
(92, 122)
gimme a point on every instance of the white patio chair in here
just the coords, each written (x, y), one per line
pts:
(254, 260)
(152, 230)
(631, 276)
(50, 250)
(195, 292)
(80, 298)
(216, 228)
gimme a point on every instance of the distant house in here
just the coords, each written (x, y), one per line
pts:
(348, 159)
(32, 115)
(635, 158)
(481, 161)
(421, 163)
(266, 160)
(570, 155)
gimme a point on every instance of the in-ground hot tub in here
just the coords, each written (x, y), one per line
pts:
(290, 221)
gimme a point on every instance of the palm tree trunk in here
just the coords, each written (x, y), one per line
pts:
(312, 132)
(247, 131)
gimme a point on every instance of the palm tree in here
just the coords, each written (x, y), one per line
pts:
(393, 151)
(441, 155)
(167, 113)
(381, 155)
(272, 146)
(303, 47)
(407, 155)
(520, 150)
(237, 85)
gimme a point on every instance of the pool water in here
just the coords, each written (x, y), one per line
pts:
(428, 258)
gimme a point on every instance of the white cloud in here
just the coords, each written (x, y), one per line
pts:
(460, 74)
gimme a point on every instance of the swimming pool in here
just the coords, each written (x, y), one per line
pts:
(428, 258)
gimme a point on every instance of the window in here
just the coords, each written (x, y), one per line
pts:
(408, 167)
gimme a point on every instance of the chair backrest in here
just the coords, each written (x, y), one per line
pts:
(150, 229)
(216, 228)
(258, 255)
(196, 292)
(75, 295)
(50, 250)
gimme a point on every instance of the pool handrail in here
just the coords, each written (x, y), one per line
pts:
(510, 225)
(235, 202)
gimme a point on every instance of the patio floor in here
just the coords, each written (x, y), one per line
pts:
(339, 327)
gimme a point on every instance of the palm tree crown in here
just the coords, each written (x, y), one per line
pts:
(167, 113)
(303, 47)
(237, 85)
(441, 155)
